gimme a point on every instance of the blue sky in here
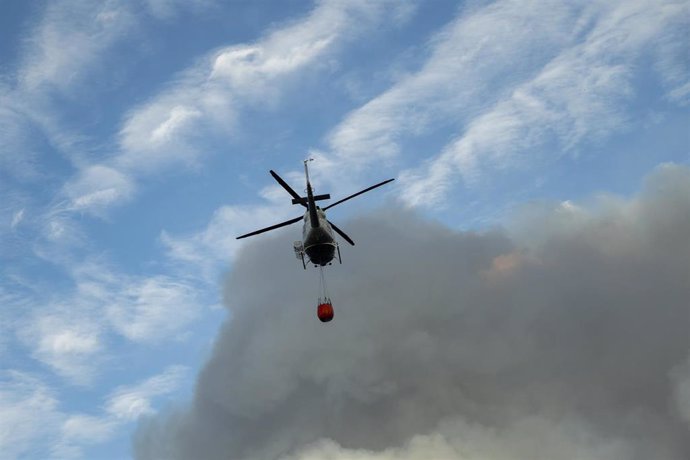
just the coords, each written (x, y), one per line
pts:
(136, 138)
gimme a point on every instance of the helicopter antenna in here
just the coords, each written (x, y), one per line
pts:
(306, 169)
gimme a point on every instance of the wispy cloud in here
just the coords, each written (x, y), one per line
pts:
(72, 37)
(63, 55)
(96, 188)
(467, 67)
(124, 405)
(171, 9)
(65, 340)
(87, 429)
(27, 413)
(200, 103)
(128, 403)
(70, 331)
(69, 42)
(141, 309)
(152, 309)
(578, 96)
(32, 421)
(206, 99)
(508, 77)
(16, 138)
(215, 246)
(17, 218)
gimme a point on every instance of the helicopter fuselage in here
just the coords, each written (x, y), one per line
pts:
(317, 240)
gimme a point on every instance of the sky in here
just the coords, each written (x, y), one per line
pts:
(525, 275)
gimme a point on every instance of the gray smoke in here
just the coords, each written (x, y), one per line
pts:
(565, 337)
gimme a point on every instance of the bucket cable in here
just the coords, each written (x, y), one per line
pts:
(323, 288)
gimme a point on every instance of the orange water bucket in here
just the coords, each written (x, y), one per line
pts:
(325, 312)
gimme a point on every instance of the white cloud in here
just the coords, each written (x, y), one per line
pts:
(511, 76)
(171, 9)
(96, 188)
(65, 332)
(203, 101)
(128, 403)
(162, 133)
(467, 62)
(152, 309)
(207, 98)
(66, 46)
(121, 407)
(67, 339)
(32, 422)
(680, 94)
(77, 431)
(577, 96)
(254, 68)
(17, 218)
(8, 300)
(62, 47)
(60, 231)
(68, 332)
(87, 428)
(141, 309)
(70, 40)
(16, 137)
(179, 116)
(216, 245)
(27, 413)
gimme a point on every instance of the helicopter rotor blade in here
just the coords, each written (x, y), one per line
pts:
(272, 227)
(289, 189)
(341, 233)
(358, 193)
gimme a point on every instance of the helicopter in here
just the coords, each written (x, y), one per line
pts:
(318, 243)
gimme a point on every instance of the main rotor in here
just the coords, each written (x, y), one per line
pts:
(309, 202)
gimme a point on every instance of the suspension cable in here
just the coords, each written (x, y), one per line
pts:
(323, 286)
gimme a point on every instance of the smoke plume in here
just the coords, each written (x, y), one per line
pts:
(564, 336)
